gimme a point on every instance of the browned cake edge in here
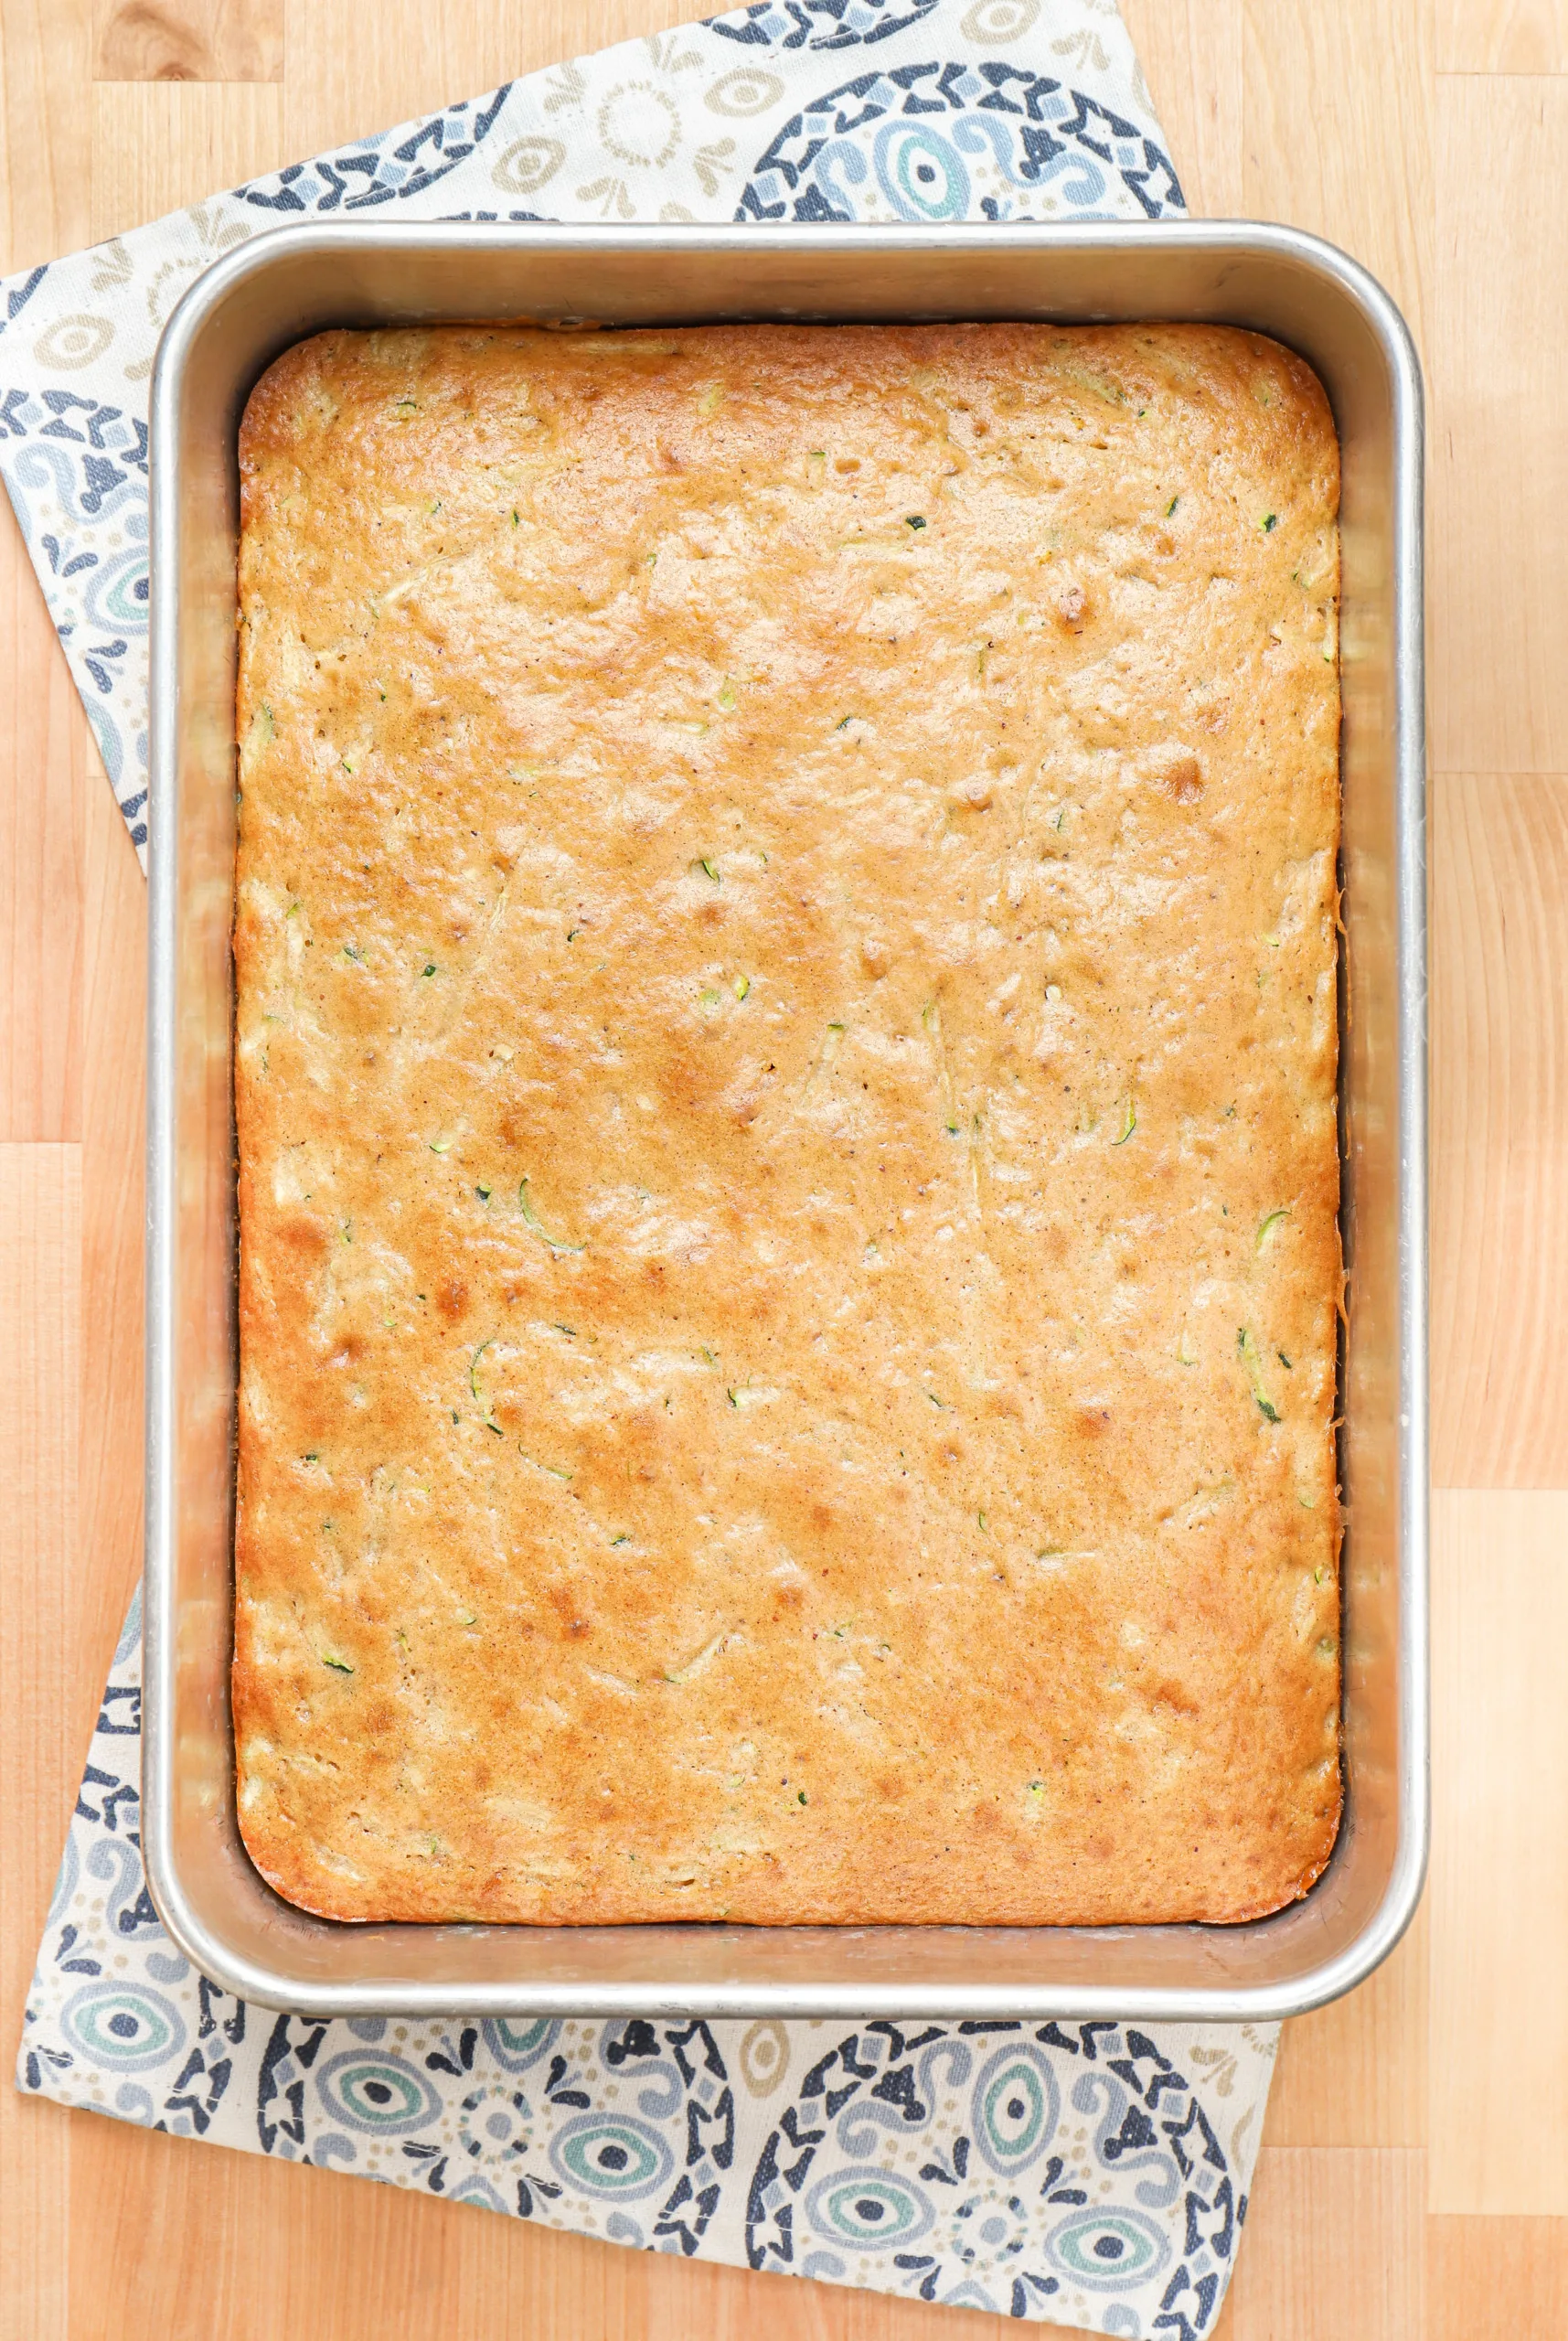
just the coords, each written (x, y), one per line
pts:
(294, 1877)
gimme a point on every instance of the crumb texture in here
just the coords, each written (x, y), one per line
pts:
(785, 1061)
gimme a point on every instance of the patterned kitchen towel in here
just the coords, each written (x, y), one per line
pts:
(865, 110)
(1084, 2174)
(1093, 2174)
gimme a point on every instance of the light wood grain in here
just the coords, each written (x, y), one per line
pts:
(1354, 2074)
(1499, 2141)
(1329, 112)
(41, 1567)
(188, 40)
(1191, 60)
(339, 87)
(1500, 1025)
(160, 145)
(1339, 132)
(41, 812)
(1499, 359)
(1335, 2247)
(1502, 36)
(1496, 2279)
(45, 145)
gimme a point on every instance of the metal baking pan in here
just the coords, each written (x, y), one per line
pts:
(250, 305)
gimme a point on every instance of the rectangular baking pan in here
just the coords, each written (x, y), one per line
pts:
(245, 308)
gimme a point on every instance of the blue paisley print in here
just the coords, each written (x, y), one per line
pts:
(820, 24)
(954, 141)
(382, 171)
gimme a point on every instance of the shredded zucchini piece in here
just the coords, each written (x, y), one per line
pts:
(555, 1242)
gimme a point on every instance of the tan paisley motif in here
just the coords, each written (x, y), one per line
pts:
(528, 165)
(74, 341)
(764, 2057)
(991, 22)
(747, 90)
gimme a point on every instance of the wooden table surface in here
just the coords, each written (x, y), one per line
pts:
(1414, 2178)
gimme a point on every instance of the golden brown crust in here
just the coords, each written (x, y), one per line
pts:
(785, 1078)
